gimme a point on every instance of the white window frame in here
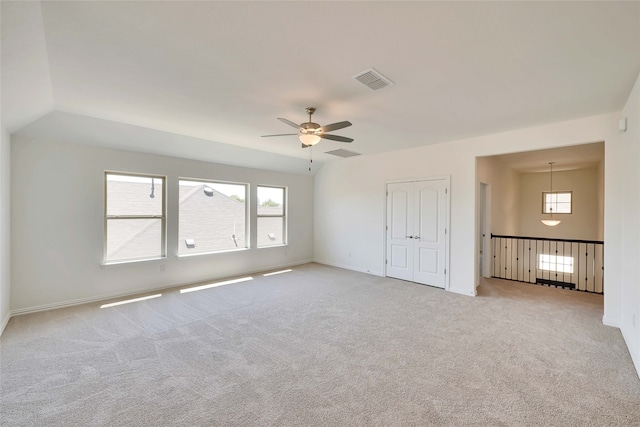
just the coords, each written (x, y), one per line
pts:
(558, 263)
(285, 222)
(545, 204)
(162, 217)
(247, 239)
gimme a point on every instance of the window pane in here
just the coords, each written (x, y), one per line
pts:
(270, 201)
(134, 195)
(133, 238)
(557, 202)
(212, 217)
(552, 197)
(270, 231)
(562, 264)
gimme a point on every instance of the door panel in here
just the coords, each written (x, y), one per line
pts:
(399, 227)
(399, 257)
(431, 243)
(428, 215)
(399, 214)
(428, 261)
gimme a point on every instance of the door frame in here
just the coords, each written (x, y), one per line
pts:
(447, 179)
(484, 199)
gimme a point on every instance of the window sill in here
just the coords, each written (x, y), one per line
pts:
(211, 253)
(280, 245)
(110, 264)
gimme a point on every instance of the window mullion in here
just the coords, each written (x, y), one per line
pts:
(135, 216)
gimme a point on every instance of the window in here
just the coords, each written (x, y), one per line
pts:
(272, 220)
(562, 264)
(557, 202)
(212, 217)
(134, 217)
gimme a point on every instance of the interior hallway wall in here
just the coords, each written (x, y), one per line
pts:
(628, 216)
(581, 224)
(505, 194)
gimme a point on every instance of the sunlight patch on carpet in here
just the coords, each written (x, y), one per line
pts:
(277, 272)
(214, 285)
(128, 301)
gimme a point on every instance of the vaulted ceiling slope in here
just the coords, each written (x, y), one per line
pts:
(224, 71)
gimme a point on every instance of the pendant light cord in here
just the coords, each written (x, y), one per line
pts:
(551, 187)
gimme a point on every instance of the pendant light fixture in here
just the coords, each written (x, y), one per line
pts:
(550, 222)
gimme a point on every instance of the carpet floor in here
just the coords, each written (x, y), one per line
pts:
(322, 346)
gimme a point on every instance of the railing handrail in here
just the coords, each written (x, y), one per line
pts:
(600, 242)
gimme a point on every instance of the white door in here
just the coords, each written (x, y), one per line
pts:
(417, 231)
(400, 207)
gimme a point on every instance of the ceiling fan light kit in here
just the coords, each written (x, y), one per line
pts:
(310, 133)
(309, 138)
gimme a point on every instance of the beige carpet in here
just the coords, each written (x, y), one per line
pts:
(321, 346)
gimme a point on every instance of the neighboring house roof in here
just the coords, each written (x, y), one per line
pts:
(211, 221)
(133, 238)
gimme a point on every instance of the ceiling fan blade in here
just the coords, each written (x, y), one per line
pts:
(289, 122)
(280, 134)
(335, 126)
(305, 146)
(336, 138)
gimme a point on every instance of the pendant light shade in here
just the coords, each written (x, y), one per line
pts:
(550, 222)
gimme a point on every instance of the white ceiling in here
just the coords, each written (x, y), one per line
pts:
(224, 71)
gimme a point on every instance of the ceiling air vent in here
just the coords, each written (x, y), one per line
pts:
(373, 79)
(342, 153)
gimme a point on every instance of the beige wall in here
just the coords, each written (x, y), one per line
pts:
(601, 200)
(583, 223)
(505, 194)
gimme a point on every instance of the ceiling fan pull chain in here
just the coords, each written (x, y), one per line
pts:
(310, 159)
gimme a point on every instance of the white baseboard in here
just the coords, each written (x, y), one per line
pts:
(636, 362)
(79, 301)
(610, 322)
(473, 293)
(631, 346)
(349, 267)
(5, 321)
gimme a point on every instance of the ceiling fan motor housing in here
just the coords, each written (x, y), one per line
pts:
(310, 128)
(311, 133)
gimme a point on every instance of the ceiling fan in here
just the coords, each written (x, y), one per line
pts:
(311, 133)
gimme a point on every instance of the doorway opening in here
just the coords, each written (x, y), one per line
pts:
(511, 240)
